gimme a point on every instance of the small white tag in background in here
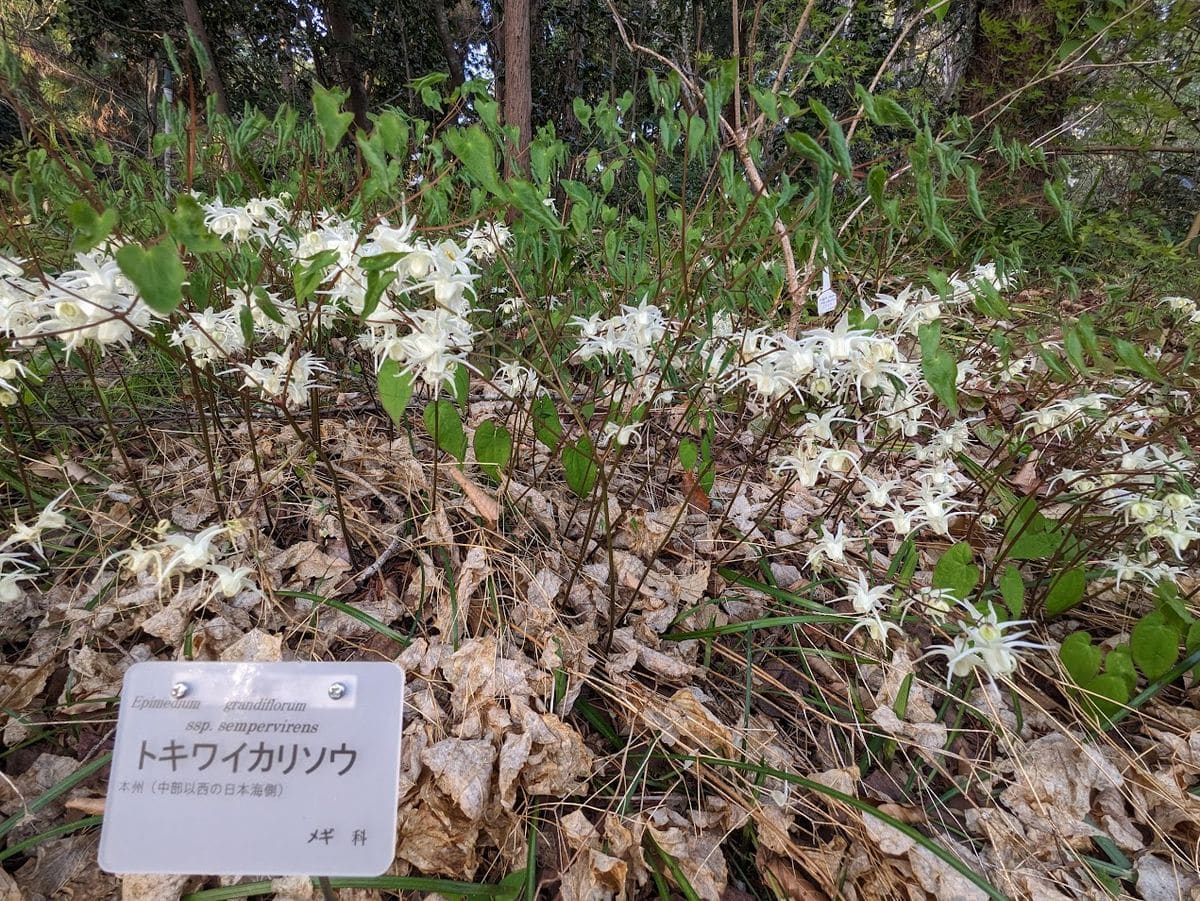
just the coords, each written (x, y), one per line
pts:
(827, 300)
(234, 769)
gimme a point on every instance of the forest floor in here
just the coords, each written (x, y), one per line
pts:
(657, 699)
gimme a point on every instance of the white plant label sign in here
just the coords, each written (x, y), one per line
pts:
(265, 769)
(827, 300)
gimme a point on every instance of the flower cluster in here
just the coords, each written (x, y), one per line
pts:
(15, 568)
(1184, 307)
(636, 331)
(985, 643)
(172, 554)
(93, 304)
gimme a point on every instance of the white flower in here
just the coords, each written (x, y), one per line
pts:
(936, 602)
(9, 370)
(1182, 305)
(192, 553)
(877, 627)
(231, 581)
(983, 644)
(621, 434)
(877, 493)
(514, 380)
(840, 341)
(830, 546)
(805, 464)
(287, 378)
(228, 221)
(864, 598)
(486, 239)
(48, 520)
(10, 586)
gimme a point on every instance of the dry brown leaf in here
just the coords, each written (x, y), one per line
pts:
(308, 563)
(842, 779)
(45, 772)
(473, 573)
(8, 888)
(480, 675)
(485, 505)
(171, 622)
(90, 806)
(789, 883)
(560, 763)
(694, 495)
(97, 675)
(1054, 786)
(698, 854)
(513, 755)
(631, 651)
(535, 610)
(1026, 480)
(533, 502)
(66, 869)
(1161, 880)
(192, 514)
(255, 646)
(19, 685)
(594, 876)
(578, 830)
(435, 837)
(463, 771)
(684, 722)
(940, 879)
(929, 738)
(153, 887)
(294, 888)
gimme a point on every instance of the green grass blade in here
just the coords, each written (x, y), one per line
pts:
(353, 612)
(52, 833)
(53, 792)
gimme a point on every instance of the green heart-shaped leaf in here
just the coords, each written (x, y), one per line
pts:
(157, 273)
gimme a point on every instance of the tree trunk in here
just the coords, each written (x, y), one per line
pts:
(518, 86)
(453, 58)
(208, 66)
(347, 59)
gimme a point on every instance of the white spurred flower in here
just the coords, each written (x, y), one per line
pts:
(48, 520)
(285, 378)
(819, 427)
(804, 463)
(138, 559)
(841, 341)
(864, 597)
(831, 546)
(189, 553)
(877, 627)
(983, 644)
(936, 511)
(877, 494)
(486, 239)
(936, 602)
(14, 569)
(635, 331)
(10, 586)
(621, 434)
(231, 222)
(515, 380)
(230, 581)
(9, 371)
(899, 519)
